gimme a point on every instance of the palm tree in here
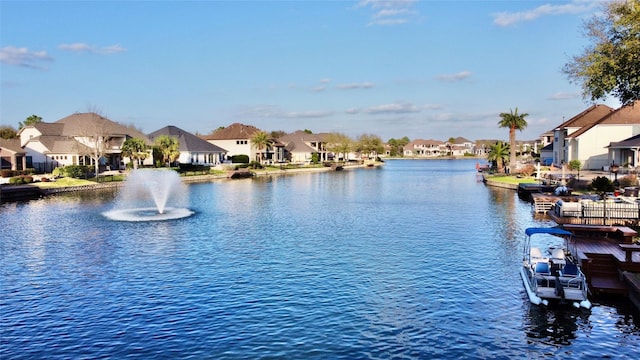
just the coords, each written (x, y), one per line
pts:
(499, 153)
(513, 121)
(260, 140)
(169, 147)
(135, 149)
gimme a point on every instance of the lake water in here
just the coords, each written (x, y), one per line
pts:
(415, 260)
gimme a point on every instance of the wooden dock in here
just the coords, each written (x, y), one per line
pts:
(604, 258)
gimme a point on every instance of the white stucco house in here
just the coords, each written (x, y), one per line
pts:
(236, 140)
(193, 150)
(586, 136)
(72, 141)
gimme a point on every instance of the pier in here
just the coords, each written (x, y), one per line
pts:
(608, 257)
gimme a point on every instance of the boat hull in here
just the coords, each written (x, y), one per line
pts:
(543, 294)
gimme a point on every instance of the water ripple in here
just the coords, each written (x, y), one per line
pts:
(412, 261)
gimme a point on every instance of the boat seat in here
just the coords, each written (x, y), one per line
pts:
(542, 268)
(536, 255)
(557, 256)
(570, 270)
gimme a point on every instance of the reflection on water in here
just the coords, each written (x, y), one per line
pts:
(414, 260)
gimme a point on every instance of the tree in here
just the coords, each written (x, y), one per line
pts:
(94, 139)
(260, 140)
(498, 154)
(168, 147)
(8, 132)
(513, 121)
(397, 145)
(31, 120)
(610, 66)
(575, 165)
(370, 144)
(339, 143)
(135, 149)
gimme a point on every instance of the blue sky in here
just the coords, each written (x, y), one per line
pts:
(422, 69)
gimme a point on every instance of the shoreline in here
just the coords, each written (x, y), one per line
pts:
(13, 193)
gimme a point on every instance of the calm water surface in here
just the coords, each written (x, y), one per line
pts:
(415, 260)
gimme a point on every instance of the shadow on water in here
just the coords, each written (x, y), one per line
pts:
(554, 324)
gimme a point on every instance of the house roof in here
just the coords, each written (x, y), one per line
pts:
(55, 144)
(425, 142)
(232, 132)
(461, 140)
(49, 128)
(303, 136)
(187, 141)
(625, 115)
(632, 142)
(297, 145)
(587, 117)
(11, 145)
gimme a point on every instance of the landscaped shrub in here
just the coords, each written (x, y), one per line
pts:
(602, 184)
(628, 181)
(58, 172)
(18, 180)
(5, 173)
(74, 171)
(240, 159)
(527, 170)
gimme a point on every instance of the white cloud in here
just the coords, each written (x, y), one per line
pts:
(389, 12)
(351, 86)
(574, 7)
(82, 47)
(455, 77)
(23, 57)
(564, 96)
(394, 108)
(275, 112)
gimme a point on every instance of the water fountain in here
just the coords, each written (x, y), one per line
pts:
(146, 194)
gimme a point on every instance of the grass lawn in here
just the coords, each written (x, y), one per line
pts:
(512, 179)
(63, 182)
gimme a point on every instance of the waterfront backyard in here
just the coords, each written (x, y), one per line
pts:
(414, 259)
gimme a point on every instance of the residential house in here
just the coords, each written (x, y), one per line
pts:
(625, 152)
(586, 136)
(193, 150)
(425, 148)
(461, 146)
(236, 140)
(73, 140)
(12, 156)
(300, 146)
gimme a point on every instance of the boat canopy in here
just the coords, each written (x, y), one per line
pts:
(552, 231)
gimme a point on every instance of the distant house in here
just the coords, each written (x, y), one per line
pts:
(546, 155)
(193, 150)
(12, 156)
(425, 148)
(586, 136)
(236, 140)
(73, 140)
(300, 146)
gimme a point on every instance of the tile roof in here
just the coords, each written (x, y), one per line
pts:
(232, 132)
(188, 141)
